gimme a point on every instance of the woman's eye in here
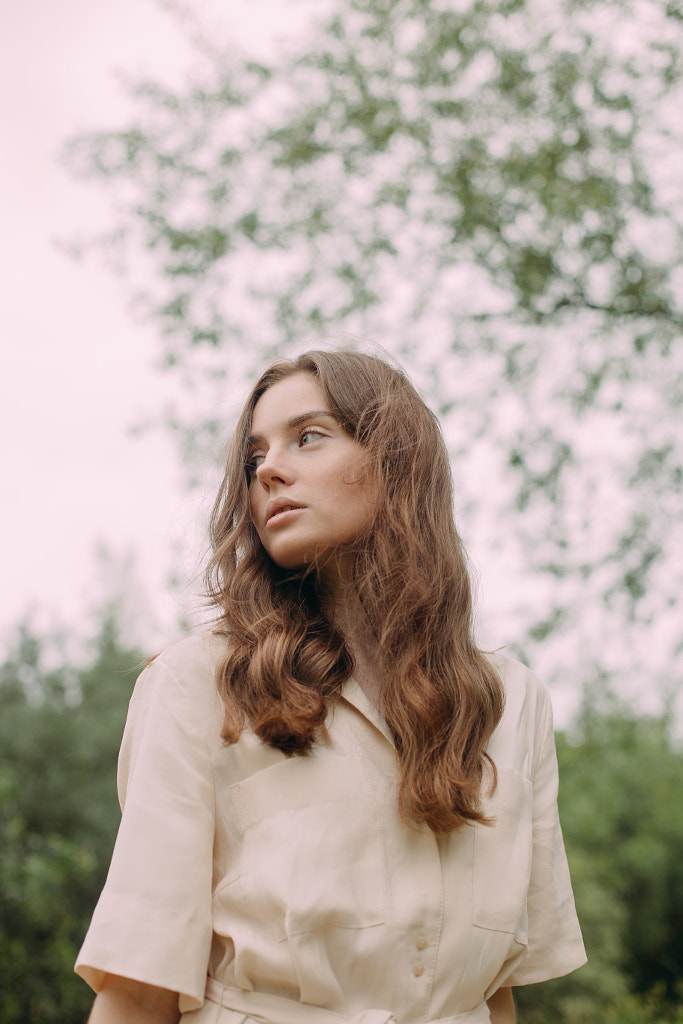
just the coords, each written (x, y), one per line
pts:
(253, 463)
(309, 435)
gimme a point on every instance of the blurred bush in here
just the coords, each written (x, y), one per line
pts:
(621, 790)
(59, 735)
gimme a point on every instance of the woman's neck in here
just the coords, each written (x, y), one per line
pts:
(350, 618)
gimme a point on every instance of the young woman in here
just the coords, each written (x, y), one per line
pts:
(335, 807)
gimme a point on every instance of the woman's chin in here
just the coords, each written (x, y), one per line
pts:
(330, 568)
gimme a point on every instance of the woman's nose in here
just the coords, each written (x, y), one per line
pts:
(275, 468)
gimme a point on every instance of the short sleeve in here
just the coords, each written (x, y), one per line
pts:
(555, 946)
(153, 920)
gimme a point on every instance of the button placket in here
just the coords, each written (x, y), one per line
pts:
(421, 944)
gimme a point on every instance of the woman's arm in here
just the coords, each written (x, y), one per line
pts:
(501, 1007)
(123, 1001)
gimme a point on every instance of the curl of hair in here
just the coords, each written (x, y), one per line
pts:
(286, 662)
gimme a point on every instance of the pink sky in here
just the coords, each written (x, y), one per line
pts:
(77, 372)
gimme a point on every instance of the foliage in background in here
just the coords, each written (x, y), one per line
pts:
(622, 779)
(60, 730)
(491, 189)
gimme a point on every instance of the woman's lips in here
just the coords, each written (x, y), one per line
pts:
(283, 515)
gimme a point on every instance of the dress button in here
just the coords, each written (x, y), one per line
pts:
(421, 942)
(418, 969)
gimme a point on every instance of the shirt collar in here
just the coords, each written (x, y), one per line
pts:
(353, 694)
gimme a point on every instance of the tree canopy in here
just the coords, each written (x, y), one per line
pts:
(491, 190)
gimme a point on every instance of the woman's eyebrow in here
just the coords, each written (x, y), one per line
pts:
(296, 421)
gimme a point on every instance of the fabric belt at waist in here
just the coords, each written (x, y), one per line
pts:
(277, 1010)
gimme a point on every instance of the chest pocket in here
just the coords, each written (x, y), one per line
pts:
(502, 858)
(312, 856)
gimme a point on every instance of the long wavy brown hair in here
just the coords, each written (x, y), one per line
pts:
(286, 662)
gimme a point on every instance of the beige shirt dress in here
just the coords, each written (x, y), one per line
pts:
(288, 891)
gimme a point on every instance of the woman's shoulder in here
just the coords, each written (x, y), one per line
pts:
(184, 673)
(195, 655)
(527, 714)
(517, 678)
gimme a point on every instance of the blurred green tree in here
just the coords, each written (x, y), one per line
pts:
(621, 784)
(60, 730)
(491, 189)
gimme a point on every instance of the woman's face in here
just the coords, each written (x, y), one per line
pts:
(307, 495)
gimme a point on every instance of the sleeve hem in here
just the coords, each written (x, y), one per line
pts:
(534, 975)
(94, 977)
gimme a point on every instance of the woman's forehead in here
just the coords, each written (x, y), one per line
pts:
(292, 398)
